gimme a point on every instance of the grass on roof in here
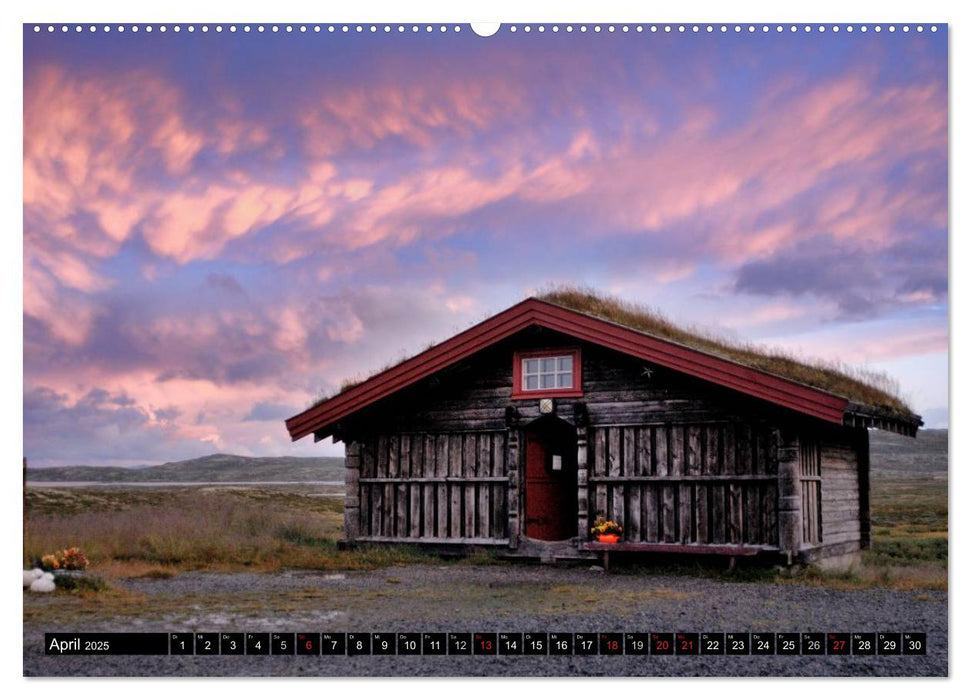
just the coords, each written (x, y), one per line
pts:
(863, 386)
(875, 389)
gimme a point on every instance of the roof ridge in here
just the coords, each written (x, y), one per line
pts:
(763, 359)
(687, 346)
(728, 372)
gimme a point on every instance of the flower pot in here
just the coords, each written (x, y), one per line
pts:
(608, 539)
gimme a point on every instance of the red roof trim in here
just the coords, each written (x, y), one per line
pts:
(467, 342)
(732, 375)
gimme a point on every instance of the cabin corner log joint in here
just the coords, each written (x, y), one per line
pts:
(519, 432)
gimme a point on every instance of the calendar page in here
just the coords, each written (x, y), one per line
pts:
(543, 349)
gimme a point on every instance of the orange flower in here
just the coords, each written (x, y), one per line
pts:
(70, 558)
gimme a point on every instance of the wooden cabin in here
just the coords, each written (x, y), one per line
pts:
(518, 432)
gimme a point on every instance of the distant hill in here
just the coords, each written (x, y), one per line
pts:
(896, 455)
(890, 455)
(218, 467)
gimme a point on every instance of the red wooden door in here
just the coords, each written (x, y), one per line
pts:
(551, 493)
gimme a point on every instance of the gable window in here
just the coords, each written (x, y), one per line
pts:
(540, 373)
(548, 372)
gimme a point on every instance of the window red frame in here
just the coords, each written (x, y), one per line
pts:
(517, 374)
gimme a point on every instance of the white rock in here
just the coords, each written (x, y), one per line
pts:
(43, 585)
(28, 578)
(47, 575)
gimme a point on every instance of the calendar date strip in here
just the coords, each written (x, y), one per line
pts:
(486, 643)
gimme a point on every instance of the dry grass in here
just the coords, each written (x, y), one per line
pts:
(910, 539)
(909, 577)
(157, 533)
(131, 533)
(863, 386)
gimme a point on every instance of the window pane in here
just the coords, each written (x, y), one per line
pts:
(554, 372)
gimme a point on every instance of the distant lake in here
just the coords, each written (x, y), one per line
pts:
(85, 484)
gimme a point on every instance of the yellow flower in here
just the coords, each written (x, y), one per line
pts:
(602, 526)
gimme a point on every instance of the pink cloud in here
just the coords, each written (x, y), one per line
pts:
(66, 315)
(750, 316)
(93, 147)
(84, 141)
(794, 144)
(645, 184)
(389, 157)
(315, 343)
(418, 112)
(68, 268)
(868, 342)
(198, 223)
(460, 303)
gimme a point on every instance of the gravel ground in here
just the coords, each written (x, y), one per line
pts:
(466, 598)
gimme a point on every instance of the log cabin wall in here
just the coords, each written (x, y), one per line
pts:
(673, 458)
(473, 394)
(834, 491)
(810, 490)
(434, 487)
(687, 483)
(844, 503)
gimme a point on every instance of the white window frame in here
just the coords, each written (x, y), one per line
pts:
(556, 373)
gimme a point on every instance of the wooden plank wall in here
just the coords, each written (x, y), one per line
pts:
(688, 483)
(617, 390)
(436, 487)
(810, 488)
(841, 492)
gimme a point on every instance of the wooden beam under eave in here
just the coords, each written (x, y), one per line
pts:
(900, 427)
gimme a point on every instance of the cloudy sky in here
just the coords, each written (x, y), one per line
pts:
(219, 227)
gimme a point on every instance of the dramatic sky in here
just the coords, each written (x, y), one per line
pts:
(219, 227)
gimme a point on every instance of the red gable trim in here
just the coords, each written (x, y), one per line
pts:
(490, 331)
(746, 380)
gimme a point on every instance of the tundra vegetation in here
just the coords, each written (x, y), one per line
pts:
(158, 532)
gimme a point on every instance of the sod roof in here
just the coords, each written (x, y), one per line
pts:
(824, 390)
(871, 389)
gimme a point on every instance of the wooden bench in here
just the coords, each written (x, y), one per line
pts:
(730, 550)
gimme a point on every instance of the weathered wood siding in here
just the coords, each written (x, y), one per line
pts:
(840, 489)
(810, 490)
(686, 483)
(675, 459)
(446, 487)
(617, 390)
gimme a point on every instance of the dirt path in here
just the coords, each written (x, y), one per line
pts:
(466, 598)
